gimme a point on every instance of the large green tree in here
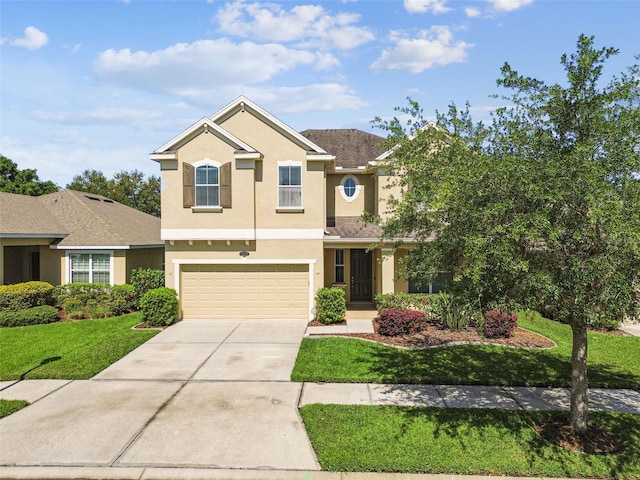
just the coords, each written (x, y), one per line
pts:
(128, 188)
(24, 182)
(540, 208)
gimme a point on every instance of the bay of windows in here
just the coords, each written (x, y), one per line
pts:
(90, 268)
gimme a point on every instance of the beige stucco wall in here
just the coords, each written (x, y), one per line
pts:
(50, 265)
(385, 189)
(143, 258)
(339, 206)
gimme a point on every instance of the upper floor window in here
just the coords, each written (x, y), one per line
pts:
(349, 188)
(90, 268)
(290, 186)
(207, 186)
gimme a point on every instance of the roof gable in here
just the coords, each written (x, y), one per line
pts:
(243, 104)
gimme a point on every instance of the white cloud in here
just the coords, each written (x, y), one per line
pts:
(472, 12)
(99, 116)
(32, 40)
(65, 137)
(307, 98)
(190, 69)
(306, 25)
(509, 5)
(431, 48)
(424, 6)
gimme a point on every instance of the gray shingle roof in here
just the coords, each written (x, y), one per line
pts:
(354, 227)
(85, 219)
(352, 148)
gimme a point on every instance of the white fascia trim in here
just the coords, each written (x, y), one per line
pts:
(314, 157)
(97, 248)
(242, 234)
(351, 169)
(159, 157)
(248, 156)
(207, 234)
(267, 116)
(244, 261)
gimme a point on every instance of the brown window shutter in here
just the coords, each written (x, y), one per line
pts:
(188, 186)
(225, 185)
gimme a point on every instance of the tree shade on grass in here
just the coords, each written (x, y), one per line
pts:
(461, 441)
(613, 361)
(72, 350)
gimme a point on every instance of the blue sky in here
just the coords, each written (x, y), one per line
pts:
(100, 84)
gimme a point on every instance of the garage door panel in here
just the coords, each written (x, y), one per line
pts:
(245, 291)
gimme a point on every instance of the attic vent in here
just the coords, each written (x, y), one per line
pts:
(106, 200)
(92, 198)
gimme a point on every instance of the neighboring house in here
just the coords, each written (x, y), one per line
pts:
(71, 236)
(257, 217)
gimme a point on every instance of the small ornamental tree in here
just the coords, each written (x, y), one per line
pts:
(542, 207)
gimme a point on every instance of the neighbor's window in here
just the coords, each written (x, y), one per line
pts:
(290, 186)
(437, 285)
(339, 265)
(90, 268)
(207, 186)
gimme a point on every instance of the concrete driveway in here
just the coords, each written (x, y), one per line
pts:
(202, 393)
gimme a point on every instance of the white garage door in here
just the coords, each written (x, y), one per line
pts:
(245, 291)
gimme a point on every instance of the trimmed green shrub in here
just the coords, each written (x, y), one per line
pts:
(393, 322)
(29, 316)
(404, 301)
(145, 279)
(498, 324)
(25, 295)
(124, 299)
(83, 293)
(159, 306)
(331, 305)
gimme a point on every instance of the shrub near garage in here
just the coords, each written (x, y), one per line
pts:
(331, 304)
(20, 296)
(159, 306)
(145, 279)
(393, 322)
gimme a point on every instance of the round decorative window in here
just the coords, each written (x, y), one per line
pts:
(349, 187)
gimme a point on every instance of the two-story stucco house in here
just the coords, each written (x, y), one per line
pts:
(256, 217)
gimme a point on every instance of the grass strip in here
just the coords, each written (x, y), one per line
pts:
(612, 361)
(7, 407)
(68, 350)
(357, 438)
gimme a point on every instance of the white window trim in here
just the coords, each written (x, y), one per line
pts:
(203, 163)
(310, 262)
(67, 260)
(341, 188)
(290, 163)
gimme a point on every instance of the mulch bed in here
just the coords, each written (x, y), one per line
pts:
(434, 336)
(593, 441)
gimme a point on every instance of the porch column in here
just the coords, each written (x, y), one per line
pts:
(388, 271)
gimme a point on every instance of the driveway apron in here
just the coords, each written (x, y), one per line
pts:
(202, 393)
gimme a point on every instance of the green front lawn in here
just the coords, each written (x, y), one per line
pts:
(613, 361)
(70, 350)
(460, 441)
(7, 407)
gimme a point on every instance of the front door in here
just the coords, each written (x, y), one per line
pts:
(360, 275)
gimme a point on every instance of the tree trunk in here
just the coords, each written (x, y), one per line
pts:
(579, 385)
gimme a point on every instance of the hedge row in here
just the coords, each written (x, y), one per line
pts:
(21, 296)
(29, 316)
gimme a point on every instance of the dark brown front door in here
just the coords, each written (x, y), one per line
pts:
(360, 275)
